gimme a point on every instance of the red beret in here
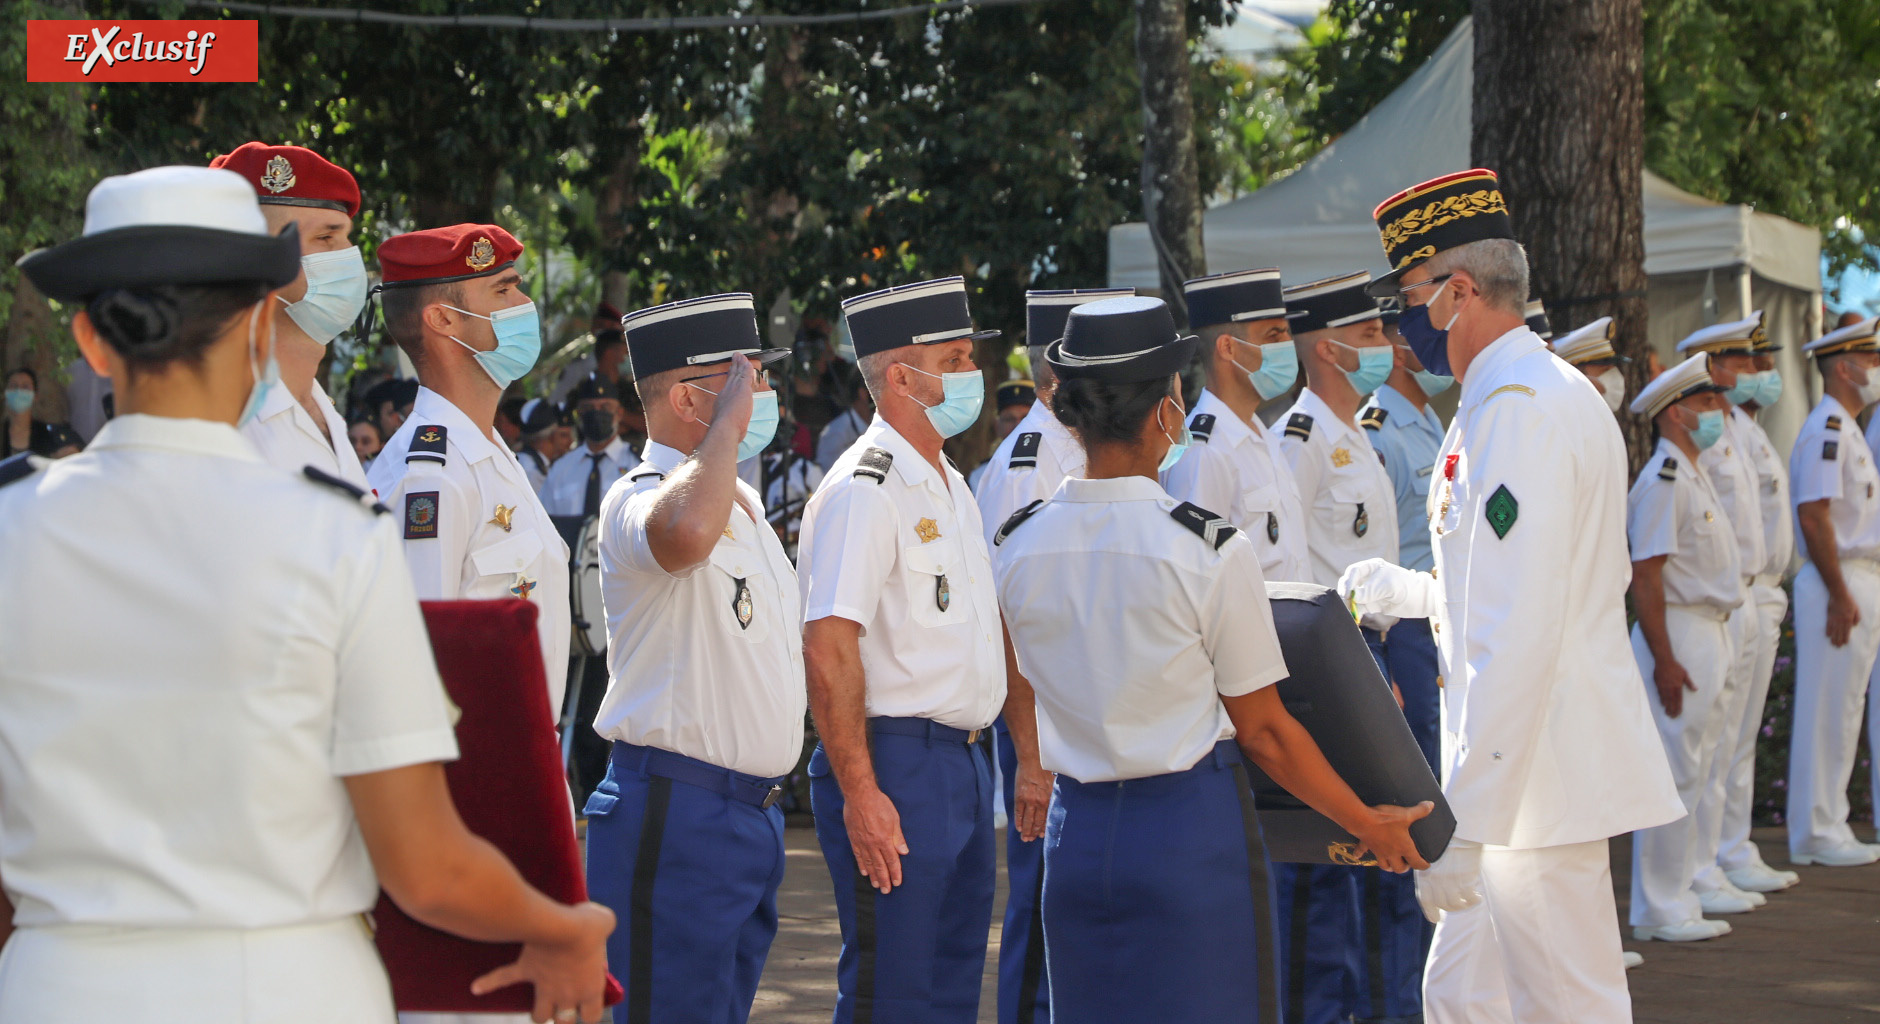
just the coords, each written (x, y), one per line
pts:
(441, 255)
(293, 176)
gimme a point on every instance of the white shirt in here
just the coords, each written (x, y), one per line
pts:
(564, 492)
(1131, 627)
(707, 662)
(906, 558)
(1051, 454)
(1547, 738)
(286, 436)
(1238, 471)
(452, 515)
(1350, 502)
(837, 436)
(1772, 487)
(1832, 460)
(1731, 473)
(1674, 510)
(199, 648)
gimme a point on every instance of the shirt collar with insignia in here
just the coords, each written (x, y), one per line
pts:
(432, 407)
(1229, 428)
(1323, 418)
(1485, 369)
(1118, 488)
(169, 433)
(1401, 411)
(912, 466)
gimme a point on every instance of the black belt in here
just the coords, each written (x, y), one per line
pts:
(923, 729)
(751, 789)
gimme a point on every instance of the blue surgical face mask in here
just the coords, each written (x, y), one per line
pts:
(964, 393)
(760, 430)
(1744, 389)
(1175, 448)
(1769, 390)
(1429, 342)
(265, 377)
(336, 292)
(1374, 366)
(1433, 384)
(1279, 368)
(518, 342)
(1708, 430)
(19, 400)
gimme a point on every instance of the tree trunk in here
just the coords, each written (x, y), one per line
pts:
(1171, 179)
(1559, 105)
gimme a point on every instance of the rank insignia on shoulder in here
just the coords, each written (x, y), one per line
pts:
(1834, 423)
(19, 467)
(874, 465)
(1668, 470)
(1299, 425)
(1501, 511)
(346, 487)
(1025, 450)
(1374, 418)
(420, 515)
(427, 445)
(643, 471)
(1204, 524)
(1015, 520)
(1202, 426)
(1829, 450)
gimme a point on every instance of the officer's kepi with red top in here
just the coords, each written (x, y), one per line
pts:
(293, 176)
(442, 255)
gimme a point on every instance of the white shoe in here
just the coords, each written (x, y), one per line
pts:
(1847, 855)
(1760, 878)
(1755, 899)
(1723, 901)
(1696, 930)
(1633, 959)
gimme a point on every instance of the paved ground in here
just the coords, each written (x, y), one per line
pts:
(1812, 956)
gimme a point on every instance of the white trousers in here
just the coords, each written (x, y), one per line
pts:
(1830, 685)
(306, 974)
(1542, 948)
(1665, 858)
(1707, 816)
(1734, 850)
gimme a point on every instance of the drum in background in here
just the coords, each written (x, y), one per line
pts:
(584, 581)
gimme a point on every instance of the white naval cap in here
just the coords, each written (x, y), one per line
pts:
(1855, 337)
(1688, 378)
(1536, 316)
(1589, 344)
(1736, 337)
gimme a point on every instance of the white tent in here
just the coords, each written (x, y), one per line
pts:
(1706, 261)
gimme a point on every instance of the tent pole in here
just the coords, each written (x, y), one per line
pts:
(1743, 299)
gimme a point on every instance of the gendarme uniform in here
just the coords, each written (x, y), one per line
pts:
(704, 707)
(896, 545)
(1028, 466)
(1674, 512)
(1132, 614)
(1235, 467)
(1832, 461)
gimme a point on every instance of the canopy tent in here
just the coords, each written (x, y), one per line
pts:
(1706, 261)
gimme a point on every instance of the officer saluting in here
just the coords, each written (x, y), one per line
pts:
(1237, 466)
(705, 696)
(902, 641)
(1837, 596)
(472, 525)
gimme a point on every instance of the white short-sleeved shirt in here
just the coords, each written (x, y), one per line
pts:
(707, 663)
(1731, 470)
(900, 550)
(286, 436)
(1772, 489)
(472, 526)
(183, 768)
(1131, 626)
(564, 490)
(1673, 510)
(1831, 460)
(1238, 471)
(1027, 466)
(1350, 502)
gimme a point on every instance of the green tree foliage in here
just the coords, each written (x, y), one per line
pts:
(1361, 51)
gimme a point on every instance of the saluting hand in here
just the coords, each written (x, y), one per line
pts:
(1843, 616)
(875, 837)
(1671, 680)
(734, 400)
(1031, 799)
(1388, 837)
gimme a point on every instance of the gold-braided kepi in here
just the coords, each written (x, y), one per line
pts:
(1439, 214)
(1855, 337)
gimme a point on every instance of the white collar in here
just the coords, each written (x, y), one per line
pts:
(202, 437)
(433, 408)
(1109, 489)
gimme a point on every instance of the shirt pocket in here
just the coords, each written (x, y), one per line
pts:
(499, 564)
(1349, 499)
(934, 572)
(740, 604)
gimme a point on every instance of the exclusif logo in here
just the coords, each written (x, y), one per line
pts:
(141, 51)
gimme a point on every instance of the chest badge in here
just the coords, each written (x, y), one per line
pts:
(1709, 516)
(928, 531)
(522, 586)
(1361, 523)
(504, 516)
(1272, 528)
(1341, 457)
(741, 604)
(942, 594)
(728, 534)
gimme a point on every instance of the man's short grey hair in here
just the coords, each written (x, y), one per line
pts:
(874, 369)
(1499, 267)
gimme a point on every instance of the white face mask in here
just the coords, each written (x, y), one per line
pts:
(1614, 384)
(1869, 391)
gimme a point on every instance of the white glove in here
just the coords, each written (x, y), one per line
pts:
(1377, 587)
(1453, 882)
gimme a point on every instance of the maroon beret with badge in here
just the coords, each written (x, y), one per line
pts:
(442, 255)
(293, 176)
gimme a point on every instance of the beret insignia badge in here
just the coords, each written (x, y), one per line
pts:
(278, 177)
(482, 254)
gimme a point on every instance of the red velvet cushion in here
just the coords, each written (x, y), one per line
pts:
(509, 788)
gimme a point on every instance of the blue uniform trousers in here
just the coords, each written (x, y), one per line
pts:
(1319, 940)
(1024, 985)
(917, 954)
(689, 862)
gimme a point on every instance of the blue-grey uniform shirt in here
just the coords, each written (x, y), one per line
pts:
(1409, 441)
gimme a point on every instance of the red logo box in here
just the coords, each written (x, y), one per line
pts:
(141, 51)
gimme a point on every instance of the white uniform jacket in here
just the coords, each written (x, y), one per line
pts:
(286, 436)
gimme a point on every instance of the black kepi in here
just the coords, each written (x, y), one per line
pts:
(1121, 341)
(695, 332)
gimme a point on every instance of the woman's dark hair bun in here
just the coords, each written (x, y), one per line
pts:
(136, 320)
(159, 324)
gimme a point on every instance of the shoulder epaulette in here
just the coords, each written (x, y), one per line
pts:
(346, 487)
(1668, 470)
(1015, 520)
(1205, 524)
(644, 470)
(427, 444)
(18, 467)
(1374, 418)
(874, 465)
(1202, 426)
(1834, 423)
(1025, 450)
(1299, 425)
